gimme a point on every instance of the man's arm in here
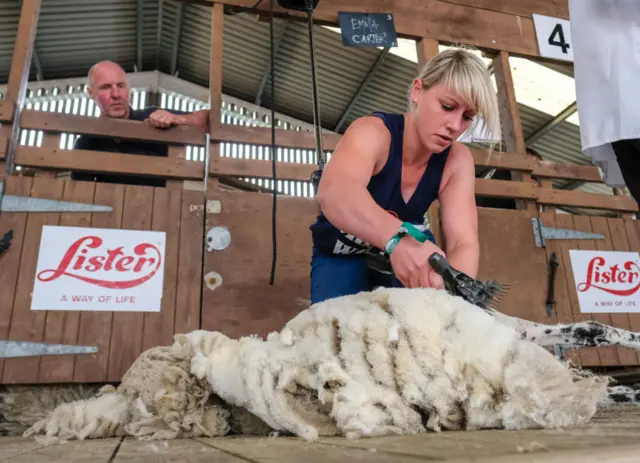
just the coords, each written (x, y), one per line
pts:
(165, 118)
(459, 212)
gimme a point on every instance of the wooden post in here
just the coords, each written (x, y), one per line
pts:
(215, 79)
(510, 119)
(427, 49)
(19, 74)
(624, 215)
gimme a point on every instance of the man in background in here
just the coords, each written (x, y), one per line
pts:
(109, 89)
(605, 36)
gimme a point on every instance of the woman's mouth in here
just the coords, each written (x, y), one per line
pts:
(443, 139)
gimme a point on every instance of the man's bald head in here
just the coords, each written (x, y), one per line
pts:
(109, 89)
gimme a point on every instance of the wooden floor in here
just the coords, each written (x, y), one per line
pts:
(613, 436)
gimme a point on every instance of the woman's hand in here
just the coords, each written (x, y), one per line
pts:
(410, 262)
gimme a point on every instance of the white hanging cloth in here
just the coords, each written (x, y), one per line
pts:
(606, 50)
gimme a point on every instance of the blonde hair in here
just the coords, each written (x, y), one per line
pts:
(467, 75)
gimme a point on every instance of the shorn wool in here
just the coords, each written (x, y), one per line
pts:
(389, 361)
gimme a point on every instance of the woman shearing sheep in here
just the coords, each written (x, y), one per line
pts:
(386, 172)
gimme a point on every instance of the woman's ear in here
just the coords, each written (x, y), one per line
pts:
(416, 88)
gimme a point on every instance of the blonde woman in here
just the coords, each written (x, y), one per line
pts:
(386, 172)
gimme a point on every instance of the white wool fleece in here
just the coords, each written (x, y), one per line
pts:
(375, 361)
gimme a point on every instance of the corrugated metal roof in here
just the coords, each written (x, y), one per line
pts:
(74, 34)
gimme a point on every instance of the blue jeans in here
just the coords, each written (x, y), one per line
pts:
(341, 275)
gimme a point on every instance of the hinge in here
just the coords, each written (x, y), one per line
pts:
(541, 233)
(10, 349)
(27, 204)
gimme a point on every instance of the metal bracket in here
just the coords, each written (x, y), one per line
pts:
(25, 204)
(542, 233)
(10, 349)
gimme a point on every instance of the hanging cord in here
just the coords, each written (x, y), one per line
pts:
(320, 161)
(274, 188)
(314, 86)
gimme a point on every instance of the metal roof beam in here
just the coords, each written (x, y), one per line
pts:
(267, 69)
(546, 128)
(363, 85)
(177, 33)
(139, 26)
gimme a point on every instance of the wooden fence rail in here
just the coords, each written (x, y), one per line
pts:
(176, 166)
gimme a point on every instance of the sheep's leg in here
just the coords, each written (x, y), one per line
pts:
(571, 335)
(623, 395)
(581, 334)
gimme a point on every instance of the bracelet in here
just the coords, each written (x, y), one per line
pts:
(405, 229)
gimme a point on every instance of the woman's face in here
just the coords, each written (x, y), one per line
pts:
(441, 116)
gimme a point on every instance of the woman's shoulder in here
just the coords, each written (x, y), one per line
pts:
(459, 153)
(369, 129)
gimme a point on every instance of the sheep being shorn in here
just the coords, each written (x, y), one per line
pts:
(390, 361)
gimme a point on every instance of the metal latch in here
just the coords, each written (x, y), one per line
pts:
(10, 349)
(542, 233)
(27, 204)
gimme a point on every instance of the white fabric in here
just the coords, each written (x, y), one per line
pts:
(606, 51)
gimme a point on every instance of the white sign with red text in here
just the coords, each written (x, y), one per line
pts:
(606, 281)
(97, 269)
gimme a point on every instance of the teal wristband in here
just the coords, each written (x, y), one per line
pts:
(414, 232)
(405, 229)
(393, 242)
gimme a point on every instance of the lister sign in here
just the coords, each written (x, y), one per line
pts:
(99, 270)
(607, 281)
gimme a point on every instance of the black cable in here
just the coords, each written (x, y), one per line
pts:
(314, 86)
(273, 150)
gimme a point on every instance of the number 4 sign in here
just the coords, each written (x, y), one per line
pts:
(554, 37)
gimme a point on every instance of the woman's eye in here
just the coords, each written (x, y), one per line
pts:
(447, 107)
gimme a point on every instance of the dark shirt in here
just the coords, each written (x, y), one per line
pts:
(386, 189)
(118, 145)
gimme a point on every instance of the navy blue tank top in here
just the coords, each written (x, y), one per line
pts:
(386, 190)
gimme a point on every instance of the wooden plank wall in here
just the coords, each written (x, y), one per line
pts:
(619, 235)
(120, 337)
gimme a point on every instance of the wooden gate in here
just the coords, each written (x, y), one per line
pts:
(119, 336)
(509, 254)
(238, 299)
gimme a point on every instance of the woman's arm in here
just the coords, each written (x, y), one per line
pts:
(342, 193)
(459, 212)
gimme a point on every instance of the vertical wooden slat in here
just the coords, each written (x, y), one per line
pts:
(126, 331)
(620, 320)
(215, 77)
(10, 260)
(62, 326)
(510, 119)
(189, 292)
(562, 312)
(28, 325)
(589, 356)
(632, 228)
(158, 327)
(95, 327)
(426, 49)
(20, 66)
(619, 242)
(608, 355)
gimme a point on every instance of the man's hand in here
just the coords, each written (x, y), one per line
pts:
(410, 262)
(162, 119)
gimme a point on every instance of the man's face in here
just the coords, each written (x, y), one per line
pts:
(110, 91)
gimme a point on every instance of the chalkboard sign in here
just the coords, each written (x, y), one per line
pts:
(368, 30)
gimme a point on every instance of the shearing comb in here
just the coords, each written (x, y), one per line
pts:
(485, 294)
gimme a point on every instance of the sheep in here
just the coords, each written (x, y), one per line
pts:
(387, 361)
